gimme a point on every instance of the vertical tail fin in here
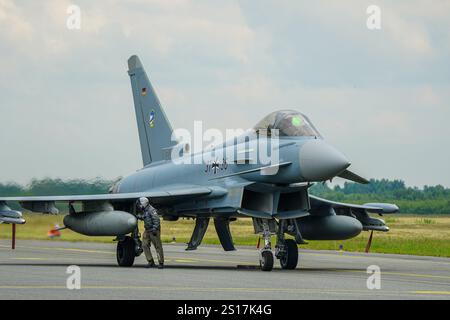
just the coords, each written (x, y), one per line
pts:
(154, 129)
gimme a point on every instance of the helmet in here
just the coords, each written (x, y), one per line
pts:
(143, 202)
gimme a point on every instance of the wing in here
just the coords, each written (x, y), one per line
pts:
(321, 206)
(156, 196)
(166, 195)
(380, 208)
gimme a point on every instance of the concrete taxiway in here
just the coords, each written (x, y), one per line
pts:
(37, 270)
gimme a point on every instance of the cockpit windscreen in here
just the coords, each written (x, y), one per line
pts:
(289, 123)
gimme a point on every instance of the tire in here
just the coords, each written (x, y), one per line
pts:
(290, 260)
(266, 261)
(126, 252)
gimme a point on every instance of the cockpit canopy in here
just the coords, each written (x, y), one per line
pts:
(289, 123)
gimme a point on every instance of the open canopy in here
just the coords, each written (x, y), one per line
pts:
(289, 123)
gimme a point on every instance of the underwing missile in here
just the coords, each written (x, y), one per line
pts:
(8, 216)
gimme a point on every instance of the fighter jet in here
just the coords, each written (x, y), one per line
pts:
(234, 182)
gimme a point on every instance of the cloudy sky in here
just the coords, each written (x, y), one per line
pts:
(381, 96)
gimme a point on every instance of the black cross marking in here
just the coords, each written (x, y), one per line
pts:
(215, 166)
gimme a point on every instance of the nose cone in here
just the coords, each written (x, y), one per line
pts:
(319, 161)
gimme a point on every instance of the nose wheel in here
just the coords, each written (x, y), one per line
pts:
(266, 260)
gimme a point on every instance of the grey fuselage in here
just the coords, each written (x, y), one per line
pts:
(302, 159)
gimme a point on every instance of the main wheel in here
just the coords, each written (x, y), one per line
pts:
(126, 252)
(266, 261)
(290, 260)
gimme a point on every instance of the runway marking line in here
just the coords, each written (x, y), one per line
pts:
(239, 262)
(63, 249)
(359, 255)
(198, 289)
(417, 275)
(24, 258)
(184, 260)
(113, 253)
(433, 292)
(306, 252)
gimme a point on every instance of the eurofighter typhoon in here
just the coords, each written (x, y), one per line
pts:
(225, 182)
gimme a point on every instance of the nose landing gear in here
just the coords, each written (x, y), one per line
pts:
(286, 250)
(266, 260)
(266, 255)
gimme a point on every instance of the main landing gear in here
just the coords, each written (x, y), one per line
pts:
(125, 252)
(289, 256)
(286, 250)
(128, 248)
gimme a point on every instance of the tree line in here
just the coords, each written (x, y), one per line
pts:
(426, 200)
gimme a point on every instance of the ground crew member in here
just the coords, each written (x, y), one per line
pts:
(152, 233)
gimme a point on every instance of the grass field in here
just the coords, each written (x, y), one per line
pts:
(417, 235)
